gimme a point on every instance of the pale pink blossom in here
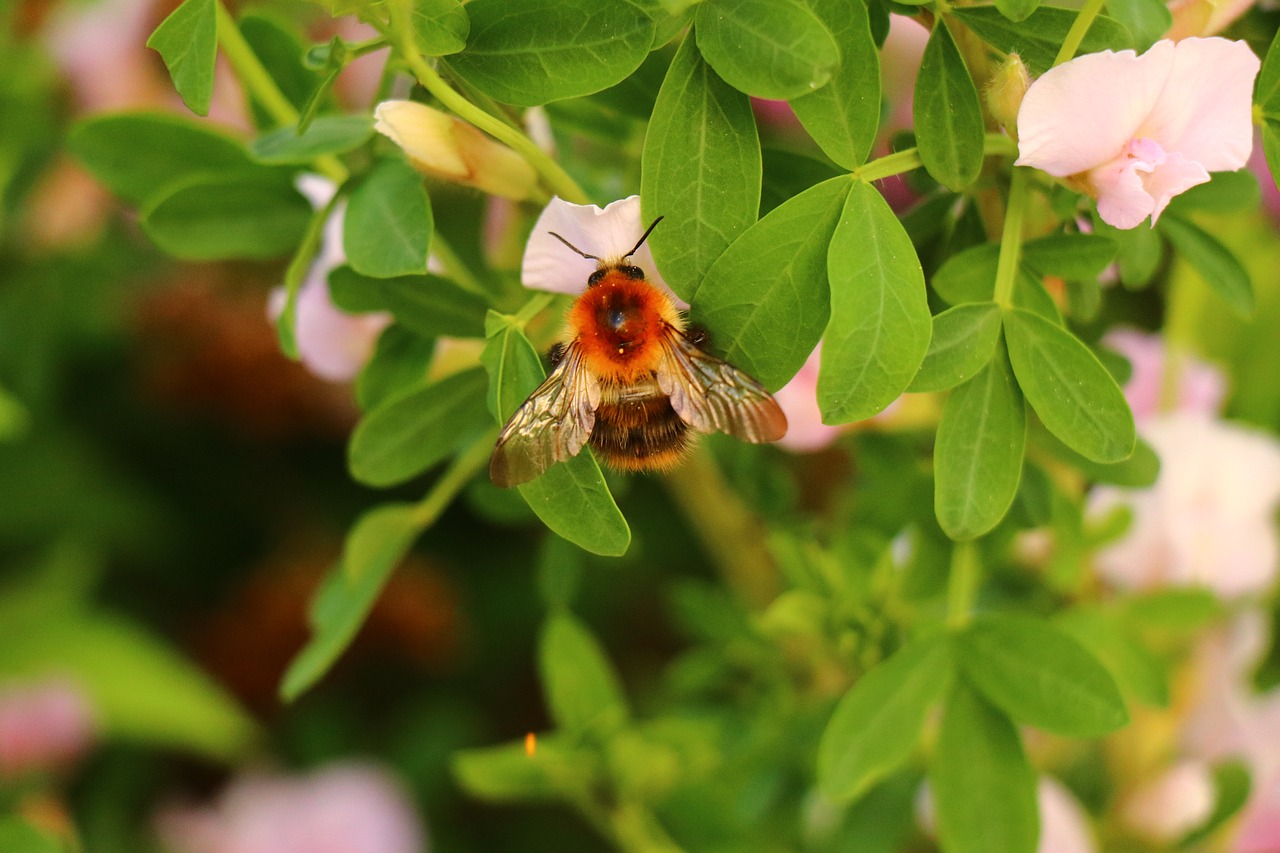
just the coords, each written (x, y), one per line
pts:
(1259, 828)
(1134, 131)
(343, 808)
(332, 344)
(1177, 801)
(1200, 387)
(44, 725)
(1209, 519)
(799, 401)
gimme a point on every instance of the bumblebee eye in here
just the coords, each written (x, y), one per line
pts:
(631, 271)
(595, 278)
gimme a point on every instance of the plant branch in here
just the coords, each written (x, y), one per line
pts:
(1011, 239)
(1088, 12)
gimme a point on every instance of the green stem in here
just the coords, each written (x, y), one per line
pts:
(453, 265)
(533, 308)
(556, 178)
(455, 477)
(255, 79)
(1011, 239)
(1088, 12)
(296, 271)
(962, 584)
(993, 145)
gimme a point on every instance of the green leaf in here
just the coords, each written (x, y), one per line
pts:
(1225, 192)
(187, 40)
(1074, 395)
(843, 116)
(1146, 20)
(529, 52)
(1135, 668)
(1137, 472)
(968, 276)
(376, 544)
(212, 218)
(1017, 10)
(977, 458)
(355, 293)
(876, 725)
(581, 687)
(507, 773)
(1040, 676)
(136, 155)
(400, 361)
(984, 789)
(1271, 139)
(18, 836)
(335, 134)
(1038, 38)
(880, 322)
(1232, 783)
(1070, 256)
(964, 337)
(430, 305)
(276, 44)
(571, 498)
(1215, 263)
(948, 114)
(413, 431)
(700, 170)
(765, 300)
(1266, 92)
(388, 224)
(1183, 610)
(767, 48)
(440, 27)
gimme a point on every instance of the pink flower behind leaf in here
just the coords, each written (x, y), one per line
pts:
(1200, 388)
(43, 726)
(799, 401)
(1134, 131)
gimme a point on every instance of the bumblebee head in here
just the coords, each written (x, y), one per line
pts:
(620, 264)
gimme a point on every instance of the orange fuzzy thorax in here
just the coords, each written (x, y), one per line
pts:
(618, 322)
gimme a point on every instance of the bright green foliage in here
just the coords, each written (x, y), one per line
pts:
(963, 339)
(1017, 10)
(1070, 256)
(212, 218)
(188, 42)
(440, 27)
(701, 170)
(582, 690)
(767, 48)
(336, 134)
(1038, 38)
(947, 113)
(387, 230)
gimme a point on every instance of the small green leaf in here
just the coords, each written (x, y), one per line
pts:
(388, 225)
(139, 154)
(440, 27)
(1038, 38)
(529, 52)
(1017, 10)
(430, 305)
(1137, 472)
(355, 293)
(767, 48)
(1070, 256)
(336, 134)
(700, 170)
(948, 114)
(411, 432)
(507, 773)
(581, 687)
(765, 300)
(984, 789)
(1215, 263)
(1183, 610)
(964, 337)
(978, 454)
(212, 218)
(968, 276)
(1040, 676)
(1068, 387)
(880, 322)
(571, 498)
(375, 545)
(187, 40)
(1137, 670)
(1146, 20)
(400, 361)
(1225, 192)
(876, 725)
(1266, 92)
(843, 116)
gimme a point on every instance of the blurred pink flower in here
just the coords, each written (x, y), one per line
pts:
(332, 344)
(343, 808)
(43, 726)
(1174, 803)
(799, 401)
(1209, 518)
(1201, 387)
(1134, 131)
(1259, 830)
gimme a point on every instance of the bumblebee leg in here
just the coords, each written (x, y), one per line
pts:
(555, 355)
(697, 335)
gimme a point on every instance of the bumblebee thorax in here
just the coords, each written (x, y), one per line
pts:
(619, 320)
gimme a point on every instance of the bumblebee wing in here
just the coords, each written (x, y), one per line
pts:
(713, 396)
(551, 426)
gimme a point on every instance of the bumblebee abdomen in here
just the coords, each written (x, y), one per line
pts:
(638, 433)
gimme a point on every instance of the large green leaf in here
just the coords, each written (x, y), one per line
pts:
(388, 224)
(213, 218)
(529, 52)
(984, 790)
(948, 114)
(766, 48)
(842, 116)
(187, 40)
(977, 459)
(582, 689)
(417, 429)
(880, 322)
(700, 170)
(1074, 395)
(1040, 676)
(964, 337)
(765, 300)
(1038, 38)
(876, 725)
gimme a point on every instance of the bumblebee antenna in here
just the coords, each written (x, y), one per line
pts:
(584, 254)
(643, 237)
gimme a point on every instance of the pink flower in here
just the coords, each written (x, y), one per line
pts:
(1200, 387)
(1209, 518)
(799, 401)
(43, 726)
(1173, 804)
(1134, 131)
(344, 808)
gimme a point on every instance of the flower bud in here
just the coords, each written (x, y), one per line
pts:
(1005, 91)
(445, 147)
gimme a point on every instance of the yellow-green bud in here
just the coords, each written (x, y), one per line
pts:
(1005, 91)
